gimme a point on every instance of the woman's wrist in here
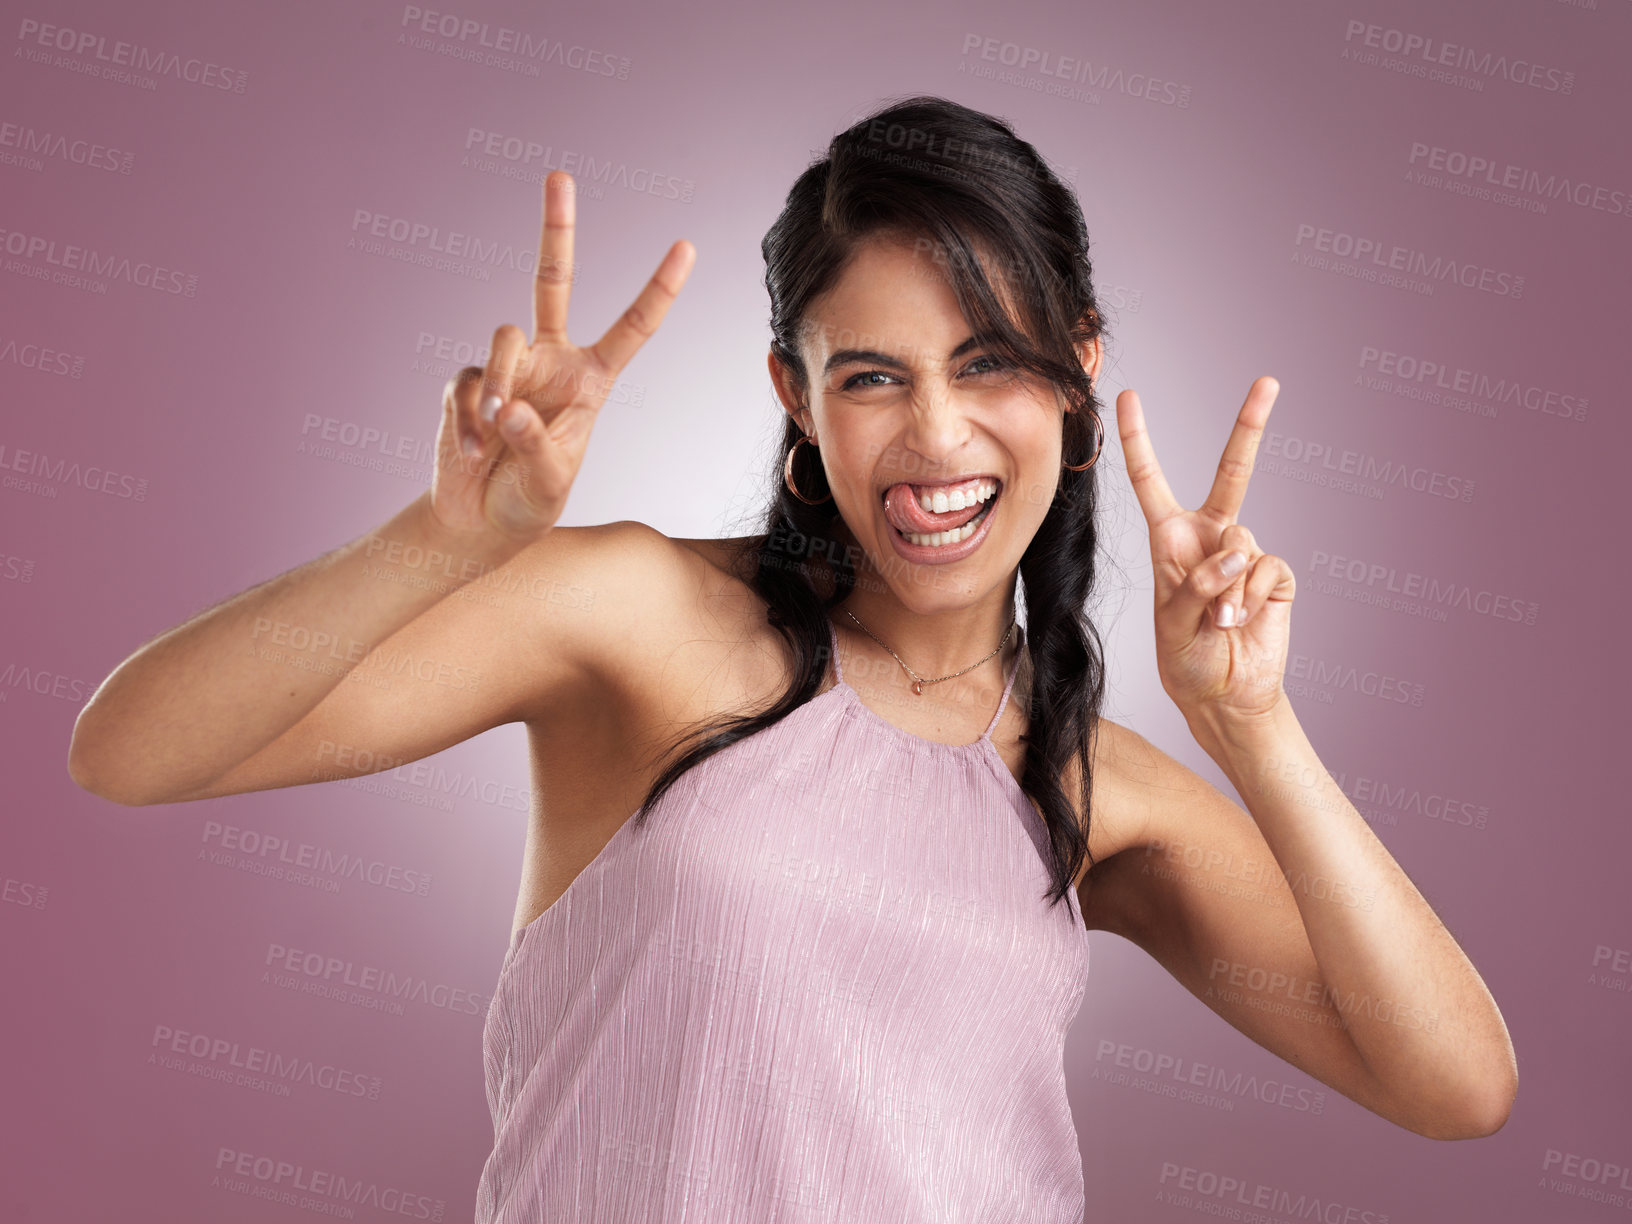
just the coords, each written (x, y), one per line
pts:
(418, 538)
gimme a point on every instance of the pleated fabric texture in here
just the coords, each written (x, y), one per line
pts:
(820, 984)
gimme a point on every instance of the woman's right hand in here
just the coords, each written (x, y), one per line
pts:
(527, 417)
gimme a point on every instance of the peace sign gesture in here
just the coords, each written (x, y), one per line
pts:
(513, 435)
(1221, 633)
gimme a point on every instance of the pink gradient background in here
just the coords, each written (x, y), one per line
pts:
(116, 921)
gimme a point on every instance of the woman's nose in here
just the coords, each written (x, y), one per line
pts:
(938, 425)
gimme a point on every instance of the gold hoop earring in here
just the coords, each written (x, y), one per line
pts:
(1099, 443)
(787, 474)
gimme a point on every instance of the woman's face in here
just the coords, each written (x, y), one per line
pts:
(903, 399)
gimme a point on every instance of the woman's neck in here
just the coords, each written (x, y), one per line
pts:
(935, 643)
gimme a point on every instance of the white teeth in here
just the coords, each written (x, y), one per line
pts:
(939, 538)
(939, 502)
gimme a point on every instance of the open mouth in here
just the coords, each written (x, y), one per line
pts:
(949, 520)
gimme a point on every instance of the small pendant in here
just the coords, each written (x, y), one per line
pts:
(918, 687)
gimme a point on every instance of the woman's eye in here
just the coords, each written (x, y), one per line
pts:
(992, 365)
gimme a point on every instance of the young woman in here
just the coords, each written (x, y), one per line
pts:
(821, 826)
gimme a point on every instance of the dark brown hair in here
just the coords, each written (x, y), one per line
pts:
(956, 181)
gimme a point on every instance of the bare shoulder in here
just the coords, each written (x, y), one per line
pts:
(671, 618)
(1114, 824)
(635, 572)
(584, 591)
(1124, 767)
(1133, 772)
(727, 557)
(1135, 785)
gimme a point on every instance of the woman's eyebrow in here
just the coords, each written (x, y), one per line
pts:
(844, 357)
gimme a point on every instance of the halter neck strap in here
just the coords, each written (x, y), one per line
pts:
(1013, 670)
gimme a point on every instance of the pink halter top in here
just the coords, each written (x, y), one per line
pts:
(820, 984)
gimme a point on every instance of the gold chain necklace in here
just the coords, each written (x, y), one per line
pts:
(918, 681)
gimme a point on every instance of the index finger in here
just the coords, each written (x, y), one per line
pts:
(1138, 457)
(1235, 466)
(636, 325)
(552, 283)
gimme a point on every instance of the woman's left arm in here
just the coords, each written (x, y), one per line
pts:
(1419, 1015)
(1324, 952)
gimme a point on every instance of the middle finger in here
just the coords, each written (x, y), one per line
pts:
(552, 283)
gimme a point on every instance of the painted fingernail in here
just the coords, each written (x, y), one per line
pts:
(1226, 615)
(490, 407)
(472, 446)
(1233, 563)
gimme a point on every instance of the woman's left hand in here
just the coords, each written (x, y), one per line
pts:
(1230, 670)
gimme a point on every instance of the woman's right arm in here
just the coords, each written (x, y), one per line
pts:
(462, 612)
(215, 690)
(369, 657)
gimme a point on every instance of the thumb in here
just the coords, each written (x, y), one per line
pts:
(537, 463)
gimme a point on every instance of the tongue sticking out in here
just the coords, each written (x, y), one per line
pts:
(904, 513)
